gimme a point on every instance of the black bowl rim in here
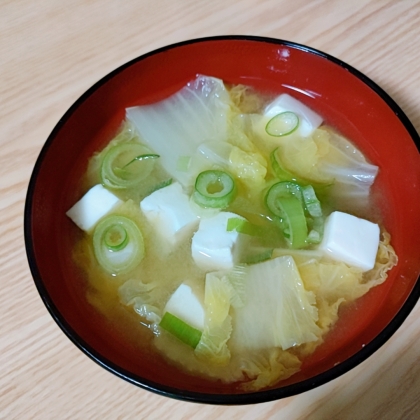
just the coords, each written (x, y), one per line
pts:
(197, 397)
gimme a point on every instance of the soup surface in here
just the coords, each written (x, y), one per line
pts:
(227, 230)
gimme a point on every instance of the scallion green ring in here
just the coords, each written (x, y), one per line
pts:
(123, 255)
(282, 124)
(116, 166)
(214, 189)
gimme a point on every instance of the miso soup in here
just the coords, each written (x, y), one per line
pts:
(227, 229)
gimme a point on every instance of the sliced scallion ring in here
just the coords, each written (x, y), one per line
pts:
(294, 222)
(312, 204)
(243, 226)
(282, 124)
(141, 157)
(118, 244)
(116, 237)
(180, 329)
(260, 257)
(285, 201)
(316, 230)
(314, 237)
(126, 165)
(282, 190)
(214, 189)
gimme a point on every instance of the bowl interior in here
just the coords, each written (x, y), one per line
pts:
(341, 95)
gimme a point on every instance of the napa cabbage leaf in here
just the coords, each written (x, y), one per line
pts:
(267, 367)
(328, 158)
(278, 310)
(249, 167)
(141, 296)
(196, 114)
(238, 155)
(218, 323)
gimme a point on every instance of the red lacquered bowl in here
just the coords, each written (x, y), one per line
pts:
(346, 99)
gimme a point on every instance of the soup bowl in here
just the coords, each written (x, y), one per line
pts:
(348, 101)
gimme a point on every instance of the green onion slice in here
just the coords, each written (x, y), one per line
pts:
(282, 190)
(285, 201)
(115, 237)
(243, 226)
(260, 257)
(313, 237)
(268, 232)
(184, 332)
(312, 204)
(316, 226)
(282, 124)
(141, 157)
(118, 244)
(214, 189)
(295, 229)
(126, 165)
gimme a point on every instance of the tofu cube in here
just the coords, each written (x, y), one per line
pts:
(351, 240)
(94, 205)
(186, 305)
(168, 210)
(213, 247)
(308, 119)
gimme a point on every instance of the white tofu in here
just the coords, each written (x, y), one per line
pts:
(185, 305)
(308, 119)
(94, 205)
(213, 247)
(168, 211)
(351, 240)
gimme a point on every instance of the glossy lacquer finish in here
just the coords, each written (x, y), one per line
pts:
(346, 99)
